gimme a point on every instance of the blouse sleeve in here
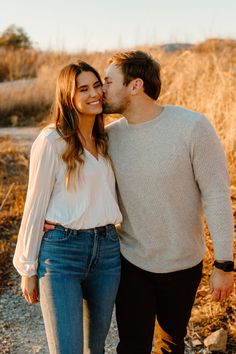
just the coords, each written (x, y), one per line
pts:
(42, 171)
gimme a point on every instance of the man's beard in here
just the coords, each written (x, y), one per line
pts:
(110, 109)
(115, 108)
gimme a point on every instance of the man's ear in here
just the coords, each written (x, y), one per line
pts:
(136, 86)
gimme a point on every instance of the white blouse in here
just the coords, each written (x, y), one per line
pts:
(91, 202)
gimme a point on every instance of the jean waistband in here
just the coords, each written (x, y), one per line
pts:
(97, 230)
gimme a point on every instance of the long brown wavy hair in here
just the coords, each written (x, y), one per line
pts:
(67, 119)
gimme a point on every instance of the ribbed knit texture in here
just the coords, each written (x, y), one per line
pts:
(169, 169)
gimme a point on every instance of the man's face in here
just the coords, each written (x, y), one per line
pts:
(116, 94)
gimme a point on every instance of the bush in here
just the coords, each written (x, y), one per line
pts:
(15, 37)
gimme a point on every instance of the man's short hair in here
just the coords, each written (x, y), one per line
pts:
(138, 64)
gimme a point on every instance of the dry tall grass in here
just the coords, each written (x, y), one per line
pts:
(31, 101)
(202, 78)
(13, 179)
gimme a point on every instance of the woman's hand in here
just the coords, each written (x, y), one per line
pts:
(29, 287)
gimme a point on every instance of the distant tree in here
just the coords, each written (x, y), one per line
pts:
(15, 37)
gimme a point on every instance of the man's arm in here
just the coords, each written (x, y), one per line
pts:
(210, 170)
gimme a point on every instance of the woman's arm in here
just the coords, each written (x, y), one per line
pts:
(43, 163)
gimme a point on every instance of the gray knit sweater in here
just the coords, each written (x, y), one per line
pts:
(168, 170)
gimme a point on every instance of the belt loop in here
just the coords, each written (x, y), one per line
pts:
(67, 230)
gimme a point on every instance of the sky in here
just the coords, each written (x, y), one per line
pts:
(98, 25)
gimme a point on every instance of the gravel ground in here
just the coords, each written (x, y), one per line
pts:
(21, 324)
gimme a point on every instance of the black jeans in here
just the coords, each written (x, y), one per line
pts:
(144, 297)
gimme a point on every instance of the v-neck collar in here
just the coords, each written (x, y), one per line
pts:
(90, 154)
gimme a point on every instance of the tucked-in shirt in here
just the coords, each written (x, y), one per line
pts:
(90, 201)
(168, 170)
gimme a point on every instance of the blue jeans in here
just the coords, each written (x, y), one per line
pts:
(77, 266)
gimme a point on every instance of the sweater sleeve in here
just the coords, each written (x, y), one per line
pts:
(42, 171)
(210, 171)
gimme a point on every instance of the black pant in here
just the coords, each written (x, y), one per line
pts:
(144, 297)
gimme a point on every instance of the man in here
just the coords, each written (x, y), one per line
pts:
(169, 165)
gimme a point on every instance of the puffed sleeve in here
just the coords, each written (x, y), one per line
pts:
(42, 172)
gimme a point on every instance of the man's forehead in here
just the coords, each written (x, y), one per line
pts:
(113, 70)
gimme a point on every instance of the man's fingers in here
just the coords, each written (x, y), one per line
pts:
(48, 226)
(229, 292)
(222, 284)
(216, 294)
(221, 295)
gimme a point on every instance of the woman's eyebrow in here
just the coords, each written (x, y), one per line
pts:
(85, 86)
(82, 86)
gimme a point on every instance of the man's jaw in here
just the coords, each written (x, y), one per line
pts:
(106, 109)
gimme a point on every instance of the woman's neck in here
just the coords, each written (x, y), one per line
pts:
(86, 127)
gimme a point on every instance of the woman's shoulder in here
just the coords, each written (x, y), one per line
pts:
(49, 133)
(48, 138)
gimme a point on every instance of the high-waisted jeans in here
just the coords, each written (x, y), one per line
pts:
(78, 268)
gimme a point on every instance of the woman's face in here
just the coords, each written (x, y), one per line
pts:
(88, 94)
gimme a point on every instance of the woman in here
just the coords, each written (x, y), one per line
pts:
(72, 185)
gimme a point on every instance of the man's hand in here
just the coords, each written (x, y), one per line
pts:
(221, 284)
(48, 226)
(29, 287)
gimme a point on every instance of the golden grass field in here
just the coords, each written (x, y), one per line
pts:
(202, 78)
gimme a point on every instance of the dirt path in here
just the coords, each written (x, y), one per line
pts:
(19, 133)
(16, 84)
(22, 136)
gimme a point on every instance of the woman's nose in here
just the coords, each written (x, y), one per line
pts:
(93, 92)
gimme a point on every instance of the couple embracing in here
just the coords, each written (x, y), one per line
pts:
(152, 172)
